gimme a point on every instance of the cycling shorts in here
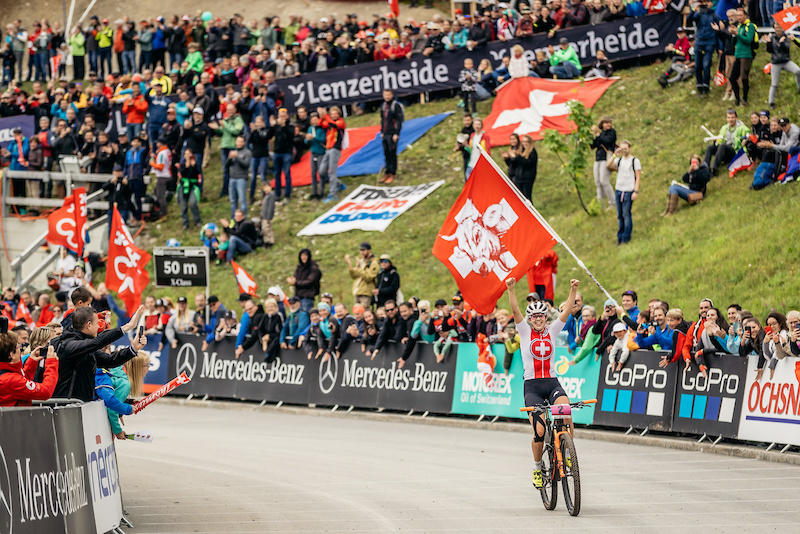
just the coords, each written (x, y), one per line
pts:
(536, 390)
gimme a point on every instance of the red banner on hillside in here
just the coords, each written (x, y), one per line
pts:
(529, 106)
(491, 233)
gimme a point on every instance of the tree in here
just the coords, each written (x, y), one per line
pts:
(573, 150)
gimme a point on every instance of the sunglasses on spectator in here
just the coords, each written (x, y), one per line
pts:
(390, 309)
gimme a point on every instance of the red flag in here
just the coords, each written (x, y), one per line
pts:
(529, 106)
(66, 226)
(126, 269)
(394, 5)
(491, 233)
(789, 18)
(245, 281)
(23, 314)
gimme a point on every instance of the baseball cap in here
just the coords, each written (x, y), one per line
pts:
(386, 257)
(326, 296)
(244, 297)
(619, 327)
(358, 308)
(230, 314)
(198, 109)
(182, 300)
(610, 302)
(324, 306)
(784, 121)
(533, 295)
(293, 300)
(212, 299)
(563, 40)
(365, 246)
(160, 302)
(458, 298)
(440, 302)
(274, 290)
(680, 29)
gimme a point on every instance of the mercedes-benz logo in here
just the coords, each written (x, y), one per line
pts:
(186, 361)
(328, 376)
(6, 504)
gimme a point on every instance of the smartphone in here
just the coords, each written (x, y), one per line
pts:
(3, 325)
(736, 326)
(43, 352)
(141, 331)
(768, 330)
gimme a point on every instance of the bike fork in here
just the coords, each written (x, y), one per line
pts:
(559, 457)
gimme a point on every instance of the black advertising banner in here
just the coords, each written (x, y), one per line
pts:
(624, 39)
(641, 394)
(72, 456)
(35, 493)
(352, 380)
(711, 405)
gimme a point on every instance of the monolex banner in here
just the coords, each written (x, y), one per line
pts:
(711, 404)
(641, 394)
(503, 394)
(369, 208)
(771, 407)
(623, 39)
(352, 380)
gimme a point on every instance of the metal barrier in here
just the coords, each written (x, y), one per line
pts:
(70, 180)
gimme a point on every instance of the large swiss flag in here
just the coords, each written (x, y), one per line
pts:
(126, 268)
(491, 233)
(789, 18)
(67, 225)
(529, 106)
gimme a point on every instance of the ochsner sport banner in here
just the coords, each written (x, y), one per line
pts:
(771, 406)
(369, 208)
(503, 394)
(101, 461)
(622, 39)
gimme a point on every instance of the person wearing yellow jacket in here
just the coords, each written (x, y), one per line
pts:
(364, 273)
(105, 38)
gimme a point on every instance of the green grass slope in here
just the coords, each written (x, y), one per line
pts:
(738, 245)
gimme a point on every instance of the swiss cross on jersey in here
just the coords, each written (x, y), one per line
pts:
(541, 349)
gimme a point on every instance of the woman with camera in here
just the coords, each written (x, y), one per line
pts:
(753, 343)
(17, 387)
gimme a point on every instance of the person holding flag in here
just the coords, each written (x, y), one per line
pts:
(537, 347)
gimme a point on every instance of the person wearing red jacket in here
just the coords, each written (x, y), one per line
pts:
(693, 342)
(541, 275)
(16, 385)
(679, 329)
(45, 311)
(335, 128)
(135, 110)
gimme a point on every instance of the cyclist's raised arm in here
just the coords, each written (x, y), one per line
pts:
(573, 293)
(512, 299)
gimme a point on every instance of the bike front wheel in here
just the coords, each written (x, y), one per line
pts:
(549, 489)
(571, 483)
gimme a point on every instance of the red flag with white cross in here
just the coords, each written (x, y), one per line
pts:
(789, 18)
(126, 268)
(490, 234)
(245, 281)
(66, 226)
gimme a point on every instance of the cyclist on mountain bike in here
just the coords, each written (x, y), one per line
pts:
(537, 346)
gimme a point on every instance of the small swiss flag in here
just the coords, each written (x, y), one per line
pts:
(529, 106)
(245, 281)
(491, 233)
(394, 6)
(789, 18)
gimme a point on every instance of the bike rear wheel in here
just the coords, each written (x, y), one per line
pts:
(549, 489)
(571, 483)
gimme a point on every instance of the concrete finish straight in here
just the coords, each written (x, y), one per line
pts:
(215, 470)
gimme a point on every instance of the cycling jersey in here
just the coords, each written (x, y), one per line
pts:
(538, 349)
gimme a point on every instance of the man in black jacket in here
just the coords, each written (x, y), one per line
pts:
(79, 352)
(242, 235)
(305, 280)
(283, 132)
(388, 282)
(409, 316)
(392, 117)
(393, 329)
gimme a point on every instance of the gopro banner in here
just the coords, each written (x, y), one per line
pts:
(641, 394)
(503, 394)
(771, 407)
(711, 404)
(8, 124)
(369, 208)
(623, 39)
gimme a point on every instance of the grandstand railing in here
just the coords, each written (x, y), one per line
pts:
(70, 180)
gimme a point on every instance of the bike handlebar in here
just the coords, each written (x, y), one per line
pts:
(542, 407)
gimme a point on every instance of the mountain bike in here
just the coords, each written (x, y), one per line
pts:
(559, 459)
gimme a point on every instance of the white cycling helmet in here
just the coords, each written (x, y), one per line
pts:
(536, 307)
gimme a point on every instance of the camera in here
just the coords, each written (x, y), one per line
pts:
(748, 328)
(3, 325)
(43, 352)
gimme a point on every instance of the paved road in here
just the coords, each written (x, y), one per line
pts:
(216, 470)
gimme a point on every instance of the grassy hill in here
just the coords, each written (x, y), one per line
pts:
(737, 246)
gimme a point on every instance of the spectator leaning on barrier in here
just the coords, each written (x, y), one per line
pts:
(297, 321)
(79, 352)
(17, 387)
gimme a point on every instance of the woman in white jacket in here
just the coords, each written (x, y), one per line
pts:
(518, 66)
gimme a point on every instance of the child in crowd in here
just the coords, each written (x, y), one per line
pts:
(270, 330)
(267, 214)
(468, 78)
(619, 350)
(309, 338)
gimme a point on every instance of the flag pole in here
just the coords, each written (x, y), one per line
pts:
(544, 222)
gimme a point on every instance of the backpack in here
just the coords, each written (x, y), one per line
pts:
(633, 164)
(754, 44)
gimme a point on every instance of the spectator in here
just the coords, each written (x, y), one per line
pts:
(706, 22)
(248, 334)
(364, 273)
(228, 327)
(230, 128)
(753, 343)
(601, 68)
(306, 279)
(408, 316)
(315, 138)
(776, 340)
(679, 329)
(681, 60)
(392, 116)
(564, 63)
(17, 387)
(590, 339)
(267, 214)
(793, 322)
(297, 321)
(79, 352)
(630, 301)
(393, 329)
(190, 177)
(335, 128)
(468, 78)
(659, 333)
(157, 103)
(619, 351)
(259, 143)
(181, 322)
(242, 235)
(694, 191)
(283, 132)
(605, 142)
(161, 163)
(604, 327)
(629, 174)
(478, 138)
(731, 136)
(388, 282)
(743, 36)
(238, 166)
(328, 333)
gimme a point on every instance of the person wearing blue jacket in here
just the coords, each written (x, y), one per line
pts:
(156, 111)
(315, 138)
(296, 322)
(574, 324)
(705, 43)
(112, 386)
(660, 335)
(217, 311)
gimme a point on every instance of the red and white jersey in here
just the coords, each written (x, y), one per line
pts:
(538, 349)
